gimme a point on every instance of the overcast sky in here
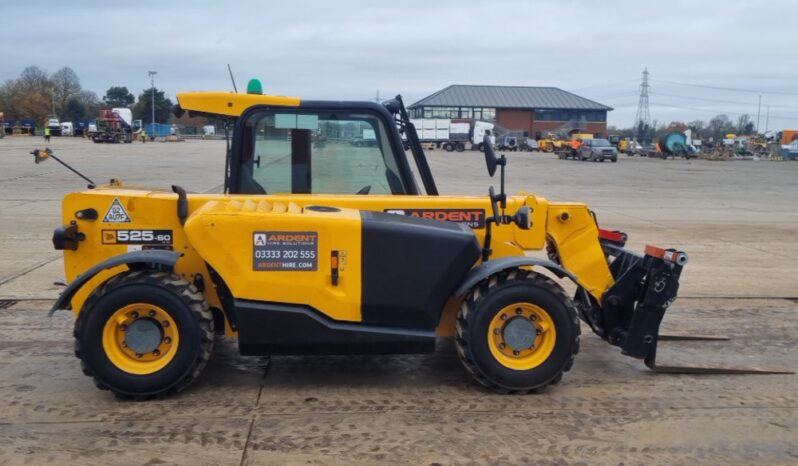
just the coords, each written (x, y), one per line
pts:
(349, 49)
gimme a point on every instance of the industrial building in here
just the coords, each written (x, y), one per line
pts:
(533, 111)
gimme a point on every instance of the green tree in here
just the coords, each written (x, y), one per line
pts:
(83, 106)
(28, 96)
(143, 108)
(66, 84)
(118, 96)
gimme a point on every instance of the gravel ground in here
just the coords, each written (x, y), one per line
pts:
(737, 220)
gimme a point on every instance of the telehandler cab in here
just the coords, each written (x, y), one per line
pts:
(320, 246)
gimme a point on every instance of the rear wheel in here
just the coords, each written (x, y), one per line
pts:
(448, 147)
(144, 334)
(517, 331)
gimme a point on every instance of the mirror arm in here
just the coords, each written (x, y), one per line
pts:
(486, 250)
(91, 185)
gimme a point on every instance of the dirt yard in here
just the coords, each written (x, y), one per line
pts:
(738, 221)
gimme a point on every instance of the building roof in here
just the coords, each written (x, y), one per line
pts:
(461, 95)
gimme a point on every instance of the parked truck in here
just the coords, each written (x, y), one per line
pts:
(453, 135)
(54, 125)
(114, 126)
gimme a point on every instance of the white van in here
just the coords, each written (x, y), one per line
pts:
(67, 129)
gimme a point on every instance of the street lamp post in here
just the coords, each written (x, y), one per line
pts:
(152, 90)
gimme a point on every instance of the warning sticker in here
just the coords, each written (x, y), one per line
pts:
(473, 218)
(285, 251)
(116, 213)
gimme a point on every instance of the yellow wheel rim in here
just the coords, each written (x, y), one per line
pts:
(140, 338)
(521, 336)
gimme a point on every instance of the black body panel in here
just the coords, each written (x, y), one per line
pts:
(273, 328)
(410, 268)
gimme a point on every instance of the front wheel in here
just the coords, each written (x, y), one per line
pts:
(144, 334)
(517, 331)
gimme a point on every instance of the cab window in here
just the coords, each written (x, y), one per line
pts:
(324, 152)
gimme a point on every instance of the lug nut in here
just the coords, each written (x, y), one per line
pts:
(124, 345)
(496, 331)
(165, 323)
(156, 353)
(533, 317)
(134, 315)
(516, 353)
(167, 340)
(152, 313)
(518, 311)
(504, 317)
(138, 355)
(502, 345)
(123, 328)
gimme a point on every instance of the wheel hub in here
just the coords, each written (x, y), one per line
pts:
(143, 335)
(519, 333)
(521, 336)
(140, 338)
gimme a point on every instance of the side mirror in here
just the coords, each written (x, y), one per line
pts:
(40, 156)
(490, 156)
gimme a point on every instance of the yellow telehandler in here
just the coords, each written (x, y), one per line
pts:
(322, 246)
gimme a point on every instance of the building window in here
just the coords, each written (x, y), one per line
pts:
(466, 112)
(569, 115)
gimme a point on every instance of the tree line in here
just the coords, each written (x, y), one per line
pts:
(716, 128)
(37, 94)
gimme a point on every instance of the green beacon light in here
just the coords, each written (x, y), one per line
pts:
(254, 87)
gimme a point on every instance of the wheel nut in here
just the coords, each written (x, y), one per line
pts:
(167, 340)
(138, 355)
(504, 317)
(502, 345)
(124, 345)
(156, 353)
(518, 311)
(152, 313)
(516, 353)
(533, 317)
(134, 315)
(123, 328)
(165, 323)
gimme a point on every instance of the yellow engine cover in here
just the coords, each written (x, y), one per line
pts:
(276, 252)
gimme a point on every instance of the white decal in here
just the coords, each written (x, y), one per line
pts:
(116, 213)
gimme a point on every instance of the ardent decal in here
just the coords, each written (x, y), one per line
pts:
(285, 251)
(473, 218)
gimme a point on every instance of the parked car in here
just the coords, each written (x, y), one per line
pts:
(529, 145)
(361, 142)
(598, 150)
(508, 143)
(790, 151)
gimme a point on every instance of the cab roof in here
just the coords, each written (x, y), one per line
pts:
(230, 103)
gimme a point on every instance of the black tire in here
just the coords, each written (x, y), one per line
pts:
(492, 295)
(460, 147)
(448, 147)
(614, 159)
(177, 297)
(481, 147)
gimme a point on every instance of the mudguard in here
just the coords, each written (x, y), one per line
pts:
(486, 269)
(134, 259)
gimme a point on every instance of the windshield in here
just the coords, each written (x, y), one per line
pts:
(600, 143)
(313, 151)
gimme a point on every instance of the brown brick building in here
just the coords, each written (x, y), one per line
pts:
(532, 111)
